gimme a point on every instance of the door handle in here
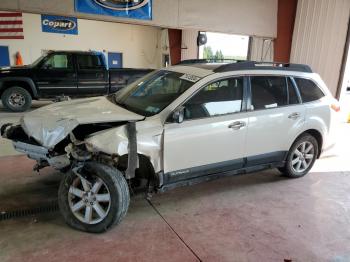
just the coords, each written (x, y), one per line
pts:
(294, 116)
(99, 75)
(237, 125)
(71, 75)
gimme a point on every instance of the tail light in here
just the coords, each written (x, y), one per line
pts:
(335, 106)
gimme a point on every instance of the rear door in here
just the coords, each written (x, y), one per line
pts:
(56, 75)
(92, 75)
(276, 117)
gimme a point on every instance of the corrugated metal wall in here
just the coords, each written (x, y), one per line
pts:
(319, 37)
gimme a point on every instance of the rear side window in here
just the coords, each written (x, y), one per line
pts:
(268, 92)
(309, 91)
(89, 61)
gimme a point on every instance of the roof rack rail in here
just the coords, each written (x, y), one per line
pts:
(207, 61)
(253, 65)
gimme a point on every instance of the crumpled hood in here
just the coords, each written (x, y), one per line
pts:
(51, 124)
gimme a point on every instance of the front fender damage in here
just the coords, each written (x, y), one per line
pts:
(116, 142)
(133, 159)
(108, 143)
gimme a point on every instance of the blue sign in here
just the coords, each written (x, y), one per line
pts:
(135, 9)
(59, 24)
(4, 56)
(115, 60)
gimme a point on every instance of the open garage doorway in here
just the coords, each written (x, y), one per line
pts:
(343, 91)
(224, 46)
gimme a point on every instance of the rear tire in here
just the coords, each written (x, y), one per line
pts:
(94, 199)
(16, 99)
(301, 157)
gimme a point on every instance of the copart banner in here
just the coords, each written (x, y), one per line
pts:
(134, 9)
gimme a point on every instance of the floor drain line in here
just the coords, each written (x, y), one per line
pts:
(4, 215)
(172, 229)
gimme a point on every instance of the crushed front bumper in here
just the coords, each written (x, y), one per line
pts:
(22, 143)
(41, 155)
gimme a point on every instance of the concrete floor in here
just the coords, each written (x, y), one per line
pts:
(256, 217)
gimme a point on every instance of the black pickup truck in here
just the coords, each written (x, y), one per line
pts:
(62, 73)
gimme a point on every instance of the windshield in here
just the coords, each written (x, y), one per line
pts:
(37, 61)
(154, 92)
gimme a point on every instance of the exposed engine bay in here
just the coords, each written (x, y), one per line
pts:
(74, 151)
(71, 149)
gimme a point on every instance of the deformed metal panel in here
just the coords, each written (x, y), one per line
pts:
(319, 37)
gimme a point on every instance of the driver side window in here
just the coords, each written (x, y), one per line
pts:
(219, 98)
(59, 61)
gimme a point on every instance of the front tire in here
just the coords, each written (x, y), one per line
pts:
(93, 198)
(16, 99)
(301, 156)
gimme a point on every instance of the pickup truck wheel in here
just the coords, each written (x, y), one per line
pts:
(94, 197)
(16, 99)
(301, 157)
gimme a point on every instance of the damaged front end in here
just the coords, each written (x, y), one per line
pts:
(27, 145)
(55, 135)
(62, 156)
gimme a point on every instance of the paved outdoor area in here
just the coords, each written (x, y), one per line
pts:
(256, 217)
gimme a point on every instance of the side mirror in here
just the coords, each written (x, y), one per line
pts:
(179, 115)
(47, 66)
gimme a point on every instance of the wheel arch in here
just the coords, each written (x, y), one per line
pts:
(145, 168)
(317, 135)
(23, 82)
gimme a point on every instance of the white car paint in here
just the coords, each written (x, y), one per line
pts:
(203, 141)
(178, 146)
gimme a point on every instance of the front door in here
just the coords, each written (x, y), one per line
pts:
(56, 76)
(276, 118)
(212, 137)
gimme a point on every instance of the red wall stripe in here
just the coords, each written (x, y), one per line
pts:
(10, 14)
(12, 37)
(11, 22)
(11, 30)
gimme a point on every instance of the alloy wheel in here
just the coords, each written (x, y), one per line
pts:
(303, 156)
(89, 199)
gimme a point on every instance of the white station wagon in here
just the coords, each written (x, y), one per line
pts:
(177, 126)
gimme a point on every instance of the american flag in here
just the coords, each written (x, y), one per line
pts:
(11, 25)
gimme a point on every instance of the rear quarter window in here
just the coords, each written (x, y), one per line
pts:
(309, 91)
